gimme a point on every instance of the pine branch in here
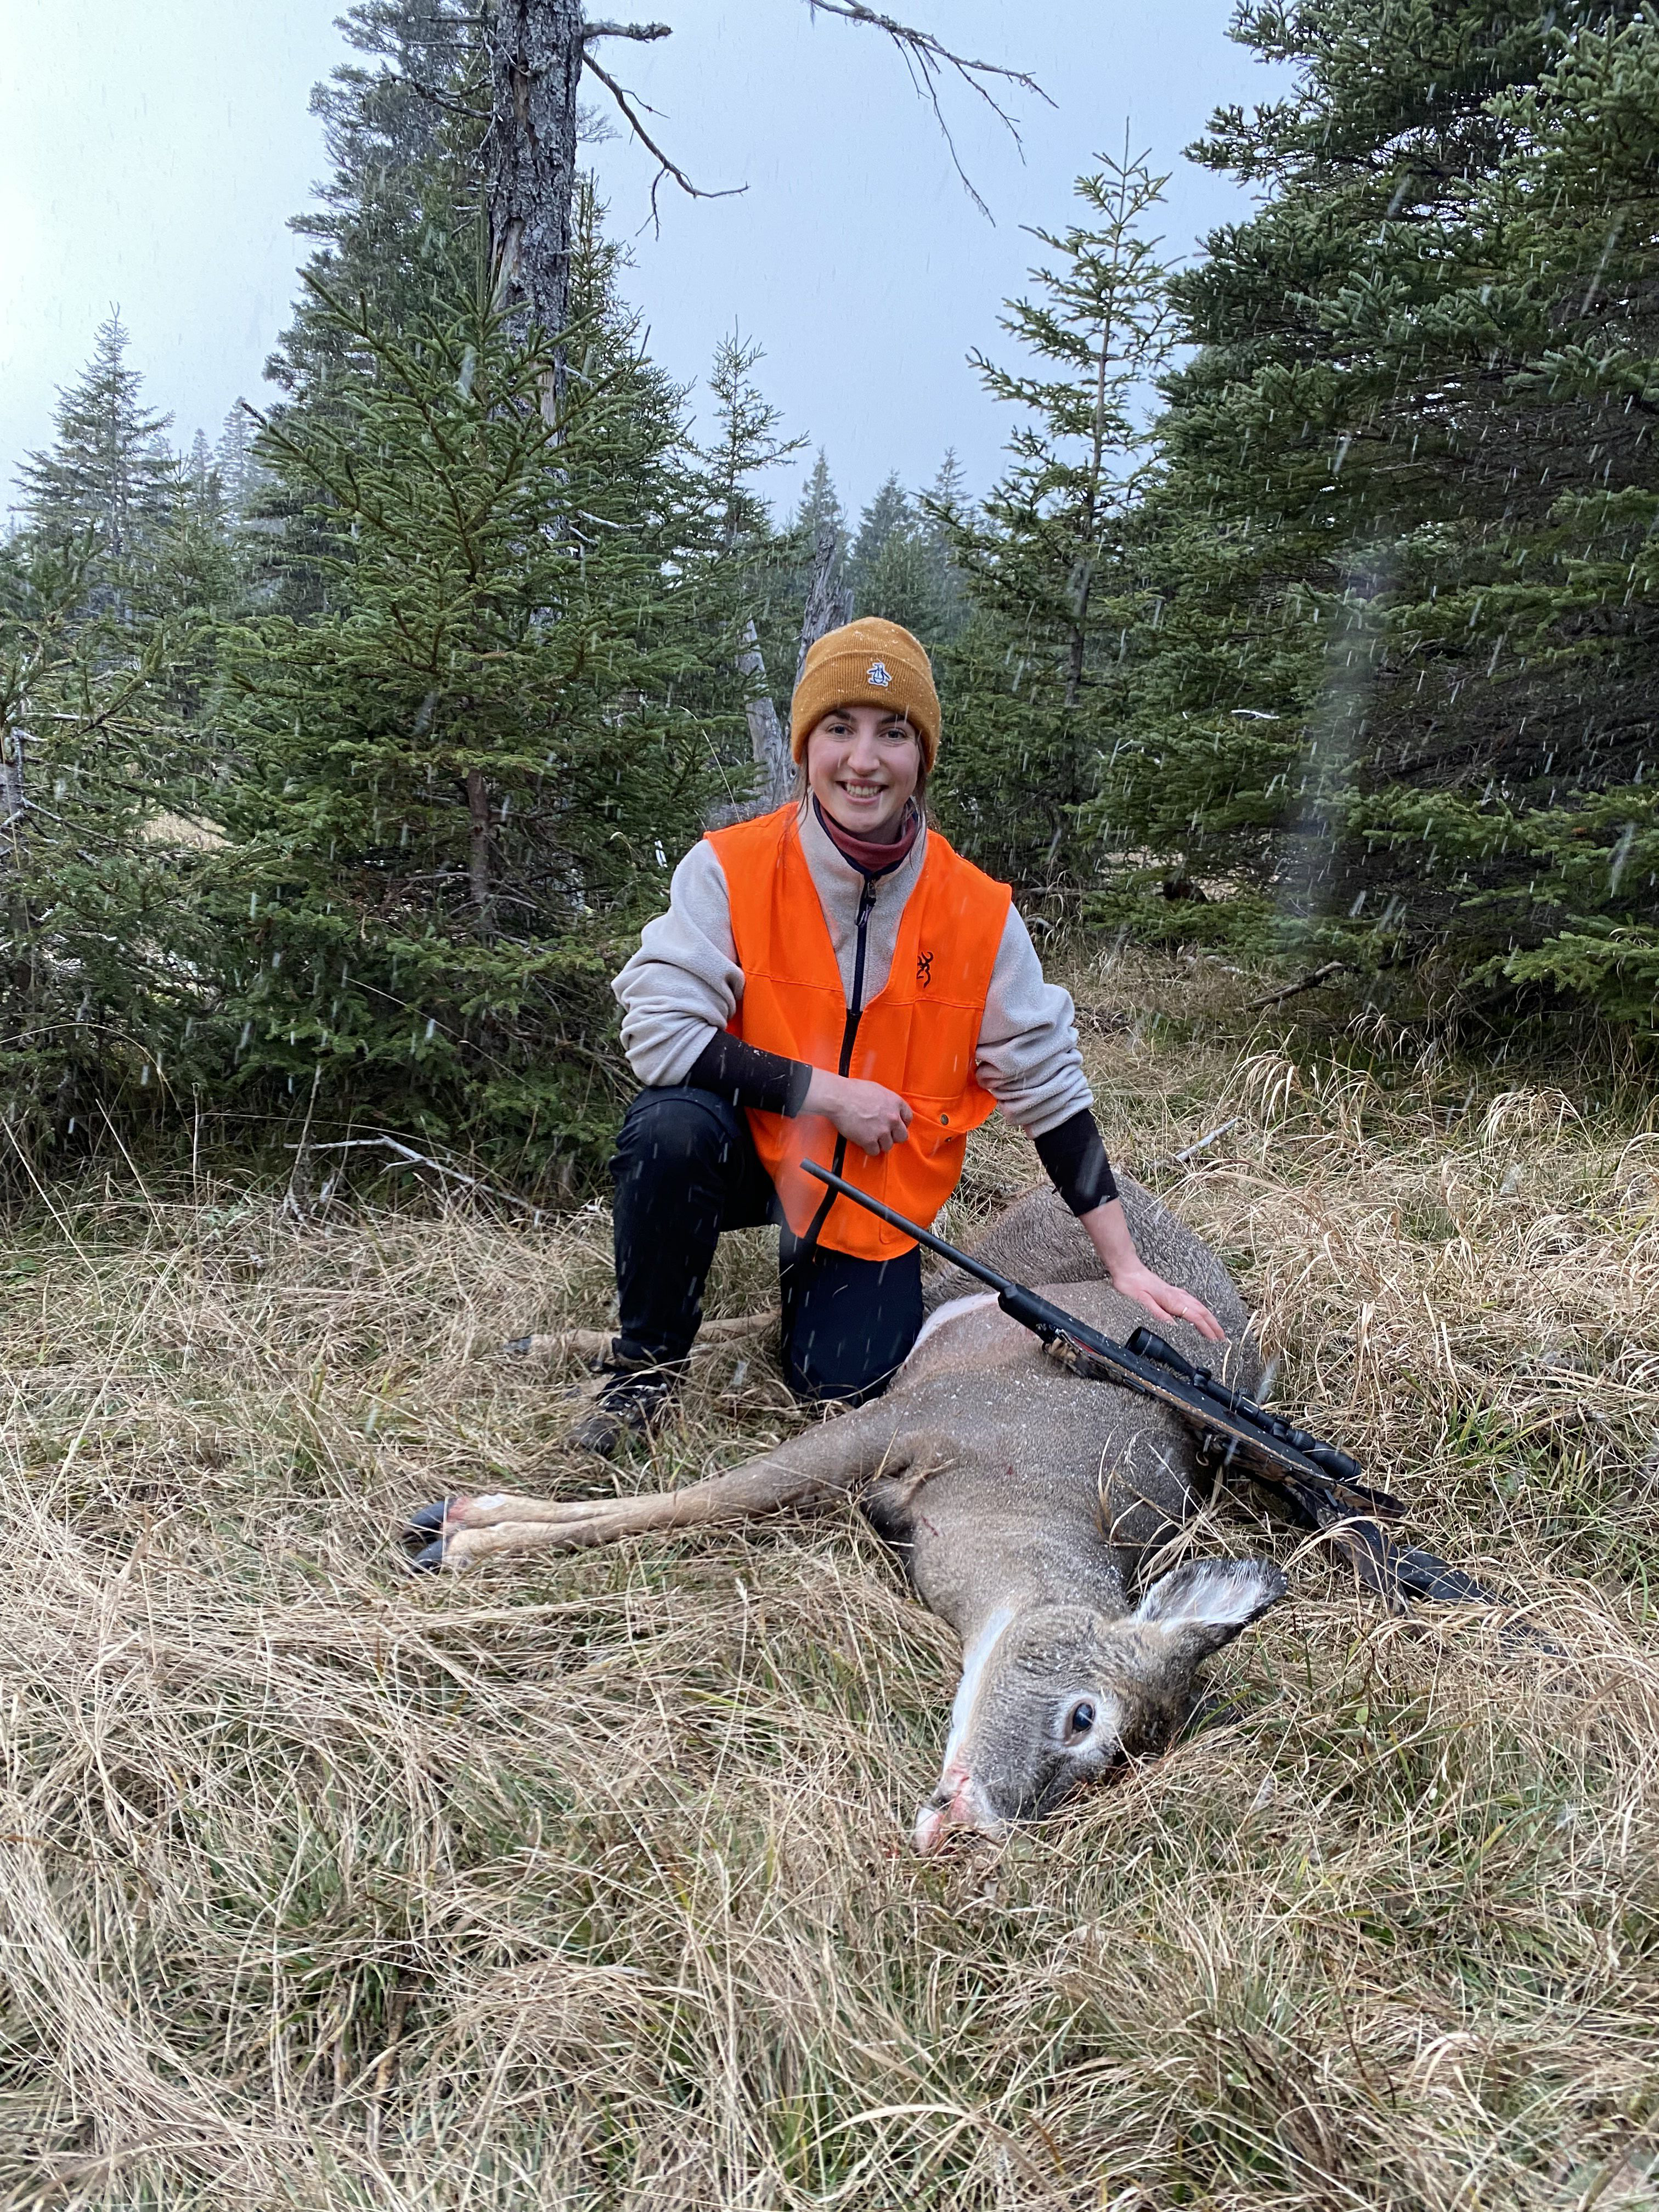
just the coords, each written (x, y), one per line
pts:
(668, 168)
(430, 91)
(927, 58)
(644, 32)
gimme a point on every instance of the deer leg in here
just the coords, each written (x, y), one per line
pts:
(829, 1461)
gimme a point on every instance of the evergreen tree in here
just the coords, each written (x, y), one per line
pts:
(398, 220)
(760, 570)
(99, 953)
(108, 481)
(820, 504)
(109, 596)
(945, 497)
(812, 559)
(1398, 669)
(457, 784)
(238, 467)
(893, 566)
(888, 515)
(1032, 687)
(1537, 635)
(746, 445)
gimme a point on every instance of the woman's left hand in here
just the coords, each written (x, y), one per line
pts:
(1109, 1233)
(1165, 1301)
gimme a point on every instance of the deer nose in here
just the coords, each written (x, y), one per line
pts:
(957, 1802)
(930, 1823)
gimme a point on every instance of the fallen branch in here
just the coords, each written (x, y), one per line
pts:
(1308, 983)
(412, 1158)
(1180, 1159)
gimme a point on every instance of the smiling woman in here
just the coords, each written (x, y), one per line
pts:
(832, 982)
(864, 766)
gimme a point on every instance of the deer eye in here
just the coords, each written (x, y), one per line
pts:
(1080, 1719)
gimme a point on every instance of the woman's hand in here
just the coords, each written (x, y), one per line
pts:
(867, 1114)
(1109, 1233)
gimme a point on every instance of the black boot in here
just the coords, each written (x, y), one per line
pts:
(635, 1396)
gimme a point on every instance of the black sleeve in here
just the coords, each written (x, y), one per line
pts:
(1076, 1161)
(749, 1077)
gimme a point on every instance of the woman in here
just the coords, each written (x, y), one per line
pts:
(832, 982)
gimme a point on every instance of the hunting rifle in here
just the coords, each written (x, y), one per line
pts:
(1323, 1486)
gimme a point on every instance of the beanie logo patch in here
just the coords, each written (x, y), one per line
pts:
(877, 673)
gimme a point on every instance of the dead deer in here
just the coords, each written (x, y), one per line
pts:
(1021, 1499)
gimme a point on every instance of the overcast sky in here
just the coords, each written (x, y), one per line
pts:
(154, 155)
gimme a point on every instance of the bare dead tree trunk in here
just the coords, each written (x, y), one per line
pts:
(11, 781)
(477, 854)
(829, 601)
(536, 53)
(767, 740)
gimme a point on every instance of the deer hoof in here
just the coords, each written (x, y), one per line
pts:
(429, 1560)
(518, 1347)
(428, 1520)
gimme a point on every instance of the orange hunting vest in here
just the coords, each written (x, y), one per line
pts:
(918, 1035)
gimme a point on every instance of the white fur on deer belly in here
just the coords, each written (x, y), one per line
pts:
(948, 1312)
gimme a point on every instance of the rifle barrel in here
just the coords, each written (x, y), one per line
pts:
(1146, 1363)
(963, 1259)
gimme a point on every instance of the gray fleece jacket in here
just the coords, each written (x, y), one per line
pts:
(685, 983)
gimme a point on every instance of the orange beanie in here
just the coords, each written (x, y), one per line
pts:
(867, 663)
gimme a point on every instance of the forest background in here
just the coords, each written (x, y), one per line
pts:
(340, 764)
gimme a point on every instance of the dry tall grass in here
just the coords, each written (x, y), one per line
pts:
(588, 1884)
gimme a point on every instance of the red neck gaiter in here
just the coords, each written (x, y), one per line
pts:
(868, 857)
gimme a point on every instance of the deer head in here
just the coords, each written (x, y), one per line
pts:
(1055, 1695)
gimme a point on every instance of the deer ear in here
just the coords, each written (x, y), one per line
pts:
(1205, 1604)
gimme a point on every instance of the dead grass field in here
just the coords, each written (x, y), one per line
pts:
(588, 1884)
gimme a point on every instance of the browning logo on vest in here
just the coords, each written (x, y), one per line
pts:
(918, 1035)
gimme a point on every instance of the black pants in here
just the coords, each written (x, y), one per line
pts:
(686, 1167)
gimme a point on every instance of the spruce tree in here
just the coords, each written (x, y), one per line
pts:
(1032, 684)
(237, 468)
(1397, 673)
(110, 595)
(888, 515)
(108, 480)
(820, 503)
(1543, 623)
(946, 495)
(397, 223)
(100, 952)
(458, 787)
(900, 567)
(759, 572)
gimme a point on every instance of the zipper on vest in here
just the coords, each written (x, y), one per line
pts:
(855, 1005)
(849, 1038)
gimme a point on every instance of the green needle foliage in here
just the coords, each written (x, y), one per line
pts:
(1399, 696)
(457, 787)
(110, 596)
(395, 217)
(101, 943)
(1032, 686)
(900, 564)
